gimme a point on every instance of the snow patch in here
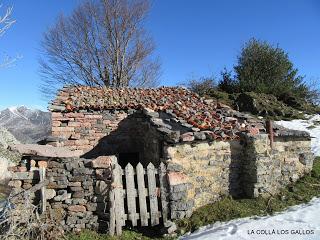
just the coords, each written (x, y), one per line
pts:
(312, 126)
(300, 222)
(15, 111)
(297, 223)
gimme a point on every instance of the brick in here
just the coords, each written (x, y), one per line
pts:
(176, 178)
(55, 123)
(75, 136)
(56, 115)
(74, 115)
(62, 129)
(81, 142)
(74, 124)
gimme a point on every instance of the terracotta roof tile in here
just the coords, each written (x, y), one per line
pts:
(216, 120)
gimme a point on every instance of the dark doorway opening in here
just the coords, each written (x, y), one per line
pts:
(131, 157)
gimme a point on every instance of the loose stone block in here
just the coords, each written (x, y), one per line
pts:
(103, 161)
(15, 184)
(77, 208)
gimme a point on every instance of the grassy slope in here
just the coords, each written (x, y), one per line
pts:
(300, 192)
(226, 209)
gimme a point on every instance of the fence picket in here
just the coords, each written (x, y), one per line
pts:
(42, 173)
(142, 195)
(119, 201)
(131, 194)
(112, 223)
(154, 213)
(163, 192)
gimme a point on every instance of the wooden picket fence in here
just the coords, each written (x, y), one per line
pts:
(138, 196)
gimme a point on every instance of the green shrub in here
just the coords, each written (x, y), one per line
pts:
(263, 68)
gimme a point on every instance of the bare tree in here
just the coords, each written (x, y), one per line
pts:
(5, 23)
(103, 43)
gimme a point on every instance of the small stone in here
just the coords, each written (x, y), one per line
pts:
(103, 174)
(76, 189)
(27, 186)
(172, 228)
(103, 161)
(50, 193)
(32, 163)
(101, 187)
(79, 194)
(22, 169)
(187, 137)
(174, 167)
(77, 208)
(42, 164)
(15, 184)
(199, 135)
(74, 184)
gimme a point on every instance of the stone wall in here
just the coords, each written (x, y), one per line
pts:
(108, 133)
(77, 192)
(267, 169)
(211, 168)
(199, 172)
(203, 172)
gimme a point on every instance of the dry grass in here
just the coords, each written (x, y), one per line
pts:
(25, 222)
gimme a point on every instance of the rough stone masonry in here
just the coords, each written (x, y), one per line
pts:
(210, 151)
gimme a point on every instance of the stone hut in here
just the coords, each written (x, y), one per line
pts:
(209, 150)
(215, 150)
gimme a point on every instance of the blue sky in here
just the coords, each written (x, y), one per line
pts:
(193, 38)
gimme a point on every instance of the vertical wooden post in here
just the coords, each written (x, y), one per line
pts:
(154, 211)
(119, 201)
(269, 128)
(131, 195)
(42, 173)
(112, 223)
(163, 192)
(142, 195)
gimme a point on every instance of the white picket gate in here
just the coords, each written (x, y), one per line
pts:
(138, 196)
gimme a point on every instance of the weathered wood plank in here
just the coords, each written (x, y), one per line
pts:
(142, 195)
(119, 201)
(163, 191)
(152, 195)
(42, 173)
(112, 219)
(131, 194)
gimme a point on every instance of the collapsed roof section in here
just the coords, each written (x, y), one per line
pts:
(175, 111)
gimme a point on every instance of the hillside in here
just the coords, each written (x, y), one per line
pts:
(6, 138)
(26, 125)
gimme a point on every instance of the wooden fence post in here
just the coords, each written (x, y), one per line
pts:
(142, 195)
(42, 173)
(163, 192)
(152, 188)
(131, 198)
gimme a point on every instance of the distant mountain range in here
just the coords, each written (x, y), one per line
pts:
(26, 125)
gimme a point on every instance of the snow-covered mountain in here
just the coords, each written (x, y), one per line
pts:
(26, 125)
